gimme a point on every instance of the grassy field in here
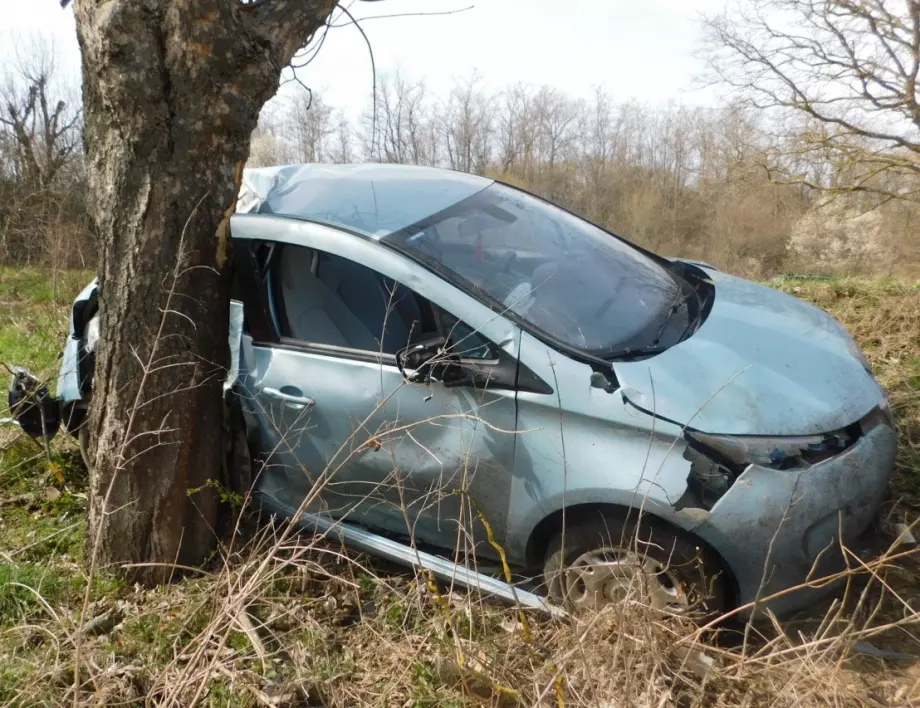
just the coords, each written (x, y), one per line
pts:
(304, 623)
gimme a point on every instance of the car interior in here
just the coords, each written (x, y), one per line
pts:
(327, 299)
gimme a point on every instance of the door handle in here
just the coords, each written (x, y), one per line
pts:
(293, 401)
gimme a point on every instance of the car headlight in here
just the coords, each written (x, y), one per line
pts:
(778, 452)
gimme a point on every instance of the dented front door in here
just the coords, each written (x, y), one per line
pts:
(404, 457)
(343, 426)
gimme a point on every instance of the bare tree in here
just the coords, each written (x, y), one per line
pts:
(39, 126)
(312, 127)
(342, 148)
(515, 131)
(42, 215)
(172, 93)
(468, 125)
(841, 79)
(397, 125)
(556, 114)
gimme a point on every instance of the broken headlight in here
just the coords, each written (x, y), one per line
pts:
(778, 452)
(716, 461)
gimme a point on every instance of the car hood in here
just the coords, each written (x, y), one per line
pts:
(762, 363)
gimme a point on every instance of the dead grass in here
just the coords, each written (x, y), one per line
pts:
(301, 622)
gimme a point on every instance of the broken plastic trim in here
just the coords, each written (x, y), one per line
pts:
(716, 461)
(32, 406)
(781, 452)
(709, 479)
(443, 569)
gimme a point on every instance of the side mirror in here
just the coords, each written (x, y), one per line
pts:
(422, 361)
(416, 356)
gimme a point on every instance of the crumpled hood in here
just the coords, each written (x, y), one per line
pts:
(763, 363)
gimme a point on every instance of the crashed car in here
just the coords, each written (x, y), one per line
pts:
(472, 367)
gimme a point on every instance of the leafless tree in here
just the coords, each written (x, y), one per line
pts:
(42, 214)
(39, 125)
(342, 148)
(515, 134)
(840, 79)
(556, 114)
(397, 125)
(468, 125)
(312, 127)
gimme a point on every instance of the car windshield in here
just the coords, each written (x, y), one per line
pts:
(559, 274)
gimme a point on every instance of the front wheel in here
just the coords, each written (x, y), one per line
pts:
(609, 558)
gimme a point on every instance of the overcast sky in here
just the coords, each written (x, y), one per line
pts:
(638, 49)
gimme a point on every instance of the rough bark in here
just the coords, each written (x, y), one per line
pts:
(172, 91)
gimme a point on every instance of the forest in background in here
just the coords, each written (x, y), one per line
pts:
(689, 181)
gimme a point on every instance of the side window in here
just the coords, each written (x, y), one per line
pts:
(464, 341)
(323, 298)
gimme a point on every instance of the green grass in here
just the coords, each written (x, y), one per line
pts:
(34, 311)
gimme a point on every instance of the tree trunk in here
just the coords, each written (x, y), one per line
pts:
(172, 91)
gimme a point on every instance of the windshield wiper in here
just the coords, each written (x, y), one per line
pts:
(668, 315)
(654, 347)
(703, 301)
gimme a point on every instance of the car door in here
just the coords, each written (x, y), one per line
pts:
(337, 419)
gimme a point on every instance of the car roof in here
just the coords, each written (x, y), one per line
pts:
(375, 199)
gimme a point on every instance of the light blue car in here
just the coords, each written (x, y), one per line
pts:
(447, 356)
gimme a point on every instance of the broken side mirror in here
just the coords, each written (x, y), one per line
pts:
(430, 359)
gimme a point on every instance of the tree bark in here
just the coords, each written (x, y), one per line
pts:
(172, 91)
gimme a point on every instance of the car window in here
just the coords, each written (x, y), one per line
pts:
(557, 273)
(330, 300)
(464, 341)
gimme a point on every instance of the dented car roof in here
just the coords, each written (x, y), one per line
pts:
(372, 198)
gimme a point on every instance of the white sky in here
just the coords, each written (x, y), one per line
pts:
(638, 49)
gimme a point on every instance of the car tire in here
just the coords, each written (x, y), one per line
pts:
(608, 560)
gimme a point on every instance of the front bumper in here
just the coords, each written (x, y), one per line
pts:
(777, 529)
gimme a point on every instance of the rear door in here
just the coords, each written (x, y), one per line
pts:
(333, 412)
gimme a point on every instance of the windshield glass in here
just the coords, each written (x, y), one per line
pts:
(559, 274)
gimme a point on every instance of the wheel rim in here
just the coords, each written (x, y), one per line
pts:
(613, 575)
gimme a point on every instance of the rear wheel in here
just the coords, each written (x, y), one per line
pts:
(610, 559)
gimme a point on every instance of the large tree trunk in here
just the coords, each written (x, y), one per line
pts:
(172, 91)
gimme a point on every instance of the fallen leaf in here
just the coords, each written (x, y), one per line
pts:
(57, 472)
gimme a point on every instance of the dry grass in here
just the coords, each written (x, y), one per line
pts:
(276, 620)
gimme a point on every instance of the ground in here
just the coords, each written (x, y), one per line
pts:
(271, 621)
